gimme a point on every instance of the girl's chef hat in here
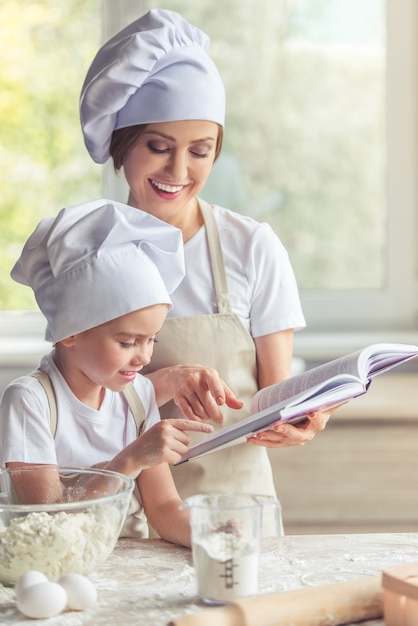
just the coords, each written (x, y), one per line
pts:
(154, 70)
(98, 261)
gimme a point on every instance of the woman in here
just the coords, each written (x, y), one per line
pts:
(154, 101)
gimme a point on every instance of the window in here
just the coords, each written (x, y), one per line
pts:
(321, 139)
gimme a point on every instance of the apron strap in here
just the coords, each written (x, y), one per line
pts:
(216, 258)
(46, 383)
(136, 407)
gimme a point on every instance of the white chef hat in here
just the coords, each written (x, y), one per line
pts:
(154, 70)
(98, 261)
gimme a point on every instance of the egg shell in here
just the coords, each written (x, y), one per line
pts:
(31, 577)
(81, 593)
(42, 600)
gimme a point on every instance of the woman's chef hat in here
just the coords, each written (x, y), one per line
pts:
(97, 261)
(155, 70)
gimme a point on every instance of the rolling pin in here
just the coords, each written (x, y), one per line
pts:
(328, 605)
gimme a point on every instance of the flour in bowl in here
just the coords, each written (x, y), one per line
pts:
(55, 544)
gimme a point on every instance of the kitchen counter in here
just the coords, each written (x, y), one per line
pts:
(152, 582)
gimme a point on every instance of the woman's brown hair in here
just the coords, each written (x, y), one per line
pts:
(124, 139)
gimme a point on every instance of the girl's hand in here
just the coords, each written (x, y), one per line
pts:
(165, 442)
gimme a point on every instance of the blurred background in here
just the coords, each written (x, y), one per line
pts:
(320, 141)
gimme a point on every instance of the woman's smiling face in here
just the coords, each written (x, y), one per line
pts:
(169, 165)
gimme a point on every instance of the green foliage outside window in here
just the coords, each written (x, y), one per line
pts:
(46, 46)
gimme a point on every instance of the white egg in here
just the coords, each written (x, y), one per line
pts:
(31, 577)
(42, 600)
(81, 593)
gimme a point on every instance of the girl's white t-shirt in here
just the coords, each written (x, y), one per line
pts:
(261, 281)
(84, 436)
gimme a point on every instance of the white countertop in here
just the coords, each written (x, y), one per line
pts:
(150, 582)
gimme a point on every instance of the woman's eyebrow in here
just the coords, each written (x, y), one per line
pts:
(159, 133)
(165, 136)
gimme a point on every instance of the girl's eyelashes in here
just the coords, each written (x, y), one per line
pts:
(127, 345)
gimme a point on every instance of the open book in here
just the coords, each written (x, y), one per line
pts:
(324, 386)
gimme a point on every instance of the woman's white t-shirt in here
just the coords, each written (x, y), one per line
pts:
(84, 436)
(261, 281)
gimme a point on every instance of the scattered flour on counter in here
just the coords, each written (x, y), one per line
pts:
(6, 595)
(226, 567)
(57, 543)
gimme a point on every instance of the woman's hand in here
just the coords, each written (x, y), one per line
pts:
(274, 355)
(198, 391)
(288, 435)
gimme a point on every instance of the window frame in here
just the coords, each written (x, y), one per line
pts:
(393, 308)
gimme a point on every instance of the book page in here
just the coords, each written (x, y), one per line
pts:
(381, 357)
(301, 382)
(364, 364)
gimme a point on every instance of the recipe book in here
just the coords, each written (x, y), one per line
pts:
(324, 386)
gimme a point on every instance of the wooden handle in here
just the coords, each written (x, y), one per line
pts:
(329, 605)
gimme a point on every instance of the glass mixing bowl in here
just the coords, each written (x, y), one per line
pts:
(73, 536)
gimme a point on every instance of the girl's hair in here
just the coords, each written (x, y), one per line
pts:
(124, 139)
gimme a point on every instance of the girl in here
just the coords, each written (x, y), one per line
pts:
(101, 273)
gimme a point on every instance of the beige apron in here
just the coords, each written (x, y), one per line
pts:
(220, 341)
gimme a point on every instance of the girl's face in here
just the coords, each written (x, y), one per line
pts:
(112, 354)
(169, 165)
